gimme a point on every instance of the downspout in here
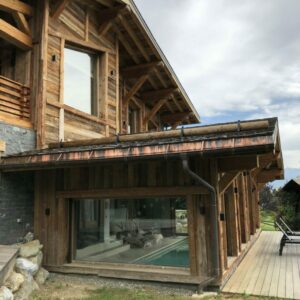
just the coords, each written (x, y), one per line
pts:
(214, 210)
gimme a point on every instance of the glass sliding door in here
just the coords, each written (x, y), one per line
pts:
(150, 231)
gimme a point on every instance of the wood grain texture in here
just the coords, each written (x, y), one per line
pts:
(264, 273)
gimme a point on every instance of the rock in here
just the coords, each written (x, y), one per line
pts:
(28, 237)
(30, 249)
(37, 259)
(25, 266)
(205, 295)
(41, 276)
(14, 281)
(6, 294)
(158, 237)
(29, 285)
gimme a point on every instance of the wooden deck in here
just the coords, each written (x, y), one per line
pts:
(7, 256)
(264, 273)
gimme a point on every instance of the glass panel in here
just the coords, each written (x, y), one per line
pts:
(78, 80)
(150, 231)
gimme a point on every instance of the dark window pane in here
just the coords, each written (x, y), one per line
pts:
(149, 231)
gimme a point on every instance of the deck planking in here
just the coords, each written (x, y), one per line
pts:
(264, 273)
(7, 255)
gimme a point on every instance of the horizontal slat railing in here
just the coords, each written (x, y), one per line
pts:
(14, 98)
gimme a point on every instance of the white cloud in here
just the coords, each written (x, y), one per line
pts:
(235, 57)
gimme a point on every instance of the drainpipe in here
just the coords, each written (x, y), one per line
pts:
(214, 210)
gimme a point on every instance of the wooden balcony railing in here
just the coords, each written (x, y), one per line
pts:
(14, 99)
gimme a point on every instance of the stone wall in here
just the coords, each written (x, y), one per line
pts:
(26, 274)
(16, 189)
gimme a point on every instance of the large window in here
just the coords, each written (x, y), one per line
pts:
(150, 231)
(79, 80)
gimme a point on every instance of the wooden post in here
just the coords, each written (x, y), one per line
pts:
(42, 77)
(215, 183)
(232, 222)
(61, 121)
(118, 106)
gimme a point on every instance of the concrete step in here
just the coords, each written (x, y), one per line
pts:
(8, 255)
(98, 248)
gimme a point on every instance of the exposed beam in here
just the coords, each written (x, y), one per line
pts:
(107, 16)
(135, 88)
(59, 7)
(175, 118)
(22, 22)
(154, 110)
(158, 94)
(126, 45)
(15, 36)
(139, 70)
(135, 39)
(226, 180)
(267, 159)
(239, 163)
(270, 175)
(16, 6)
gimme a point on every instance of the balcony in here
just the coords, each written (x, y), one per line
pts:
(14, 102)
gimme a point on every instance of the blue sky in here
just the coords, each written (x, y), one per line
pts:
(236, 59)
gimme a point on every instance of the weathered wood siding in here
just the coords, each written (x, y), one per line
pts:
(78, 26)
(53, 229)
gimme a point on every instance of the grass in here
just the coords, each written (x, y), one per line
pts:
(139, 294)
(126, 294)
(267, 220)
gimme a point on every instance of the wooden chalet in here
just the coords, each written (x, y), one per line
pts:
(119, 191)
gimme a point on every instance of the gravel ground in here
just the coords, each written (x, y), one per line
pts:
(61, 286)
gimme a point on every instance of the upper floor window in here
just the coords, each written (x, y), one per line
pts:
(79, 78)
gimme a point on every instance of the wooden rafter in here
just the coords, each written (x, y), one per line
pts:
(154, 110)
(158, 94)
(107, 16)
(266, 176)
(15, 36)
(22, 22)
(135, 88)
(139, 70)
(59, 7)
(126, 45)
(176, 118)
(226, 180)
(134, 38)
(16, 6)
(238, 163)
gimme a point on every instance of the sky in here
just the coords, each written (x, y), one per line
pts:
(236, 59)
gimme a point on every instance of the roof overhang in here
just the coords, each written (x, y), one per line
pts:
(257, 138)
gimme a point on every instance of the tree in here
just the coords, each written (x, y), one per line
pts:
(268, 199)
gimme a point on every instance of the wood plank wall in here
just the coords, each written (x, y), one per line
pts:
(55, 186)
(241, 209)
(51, 210)
(77, 26)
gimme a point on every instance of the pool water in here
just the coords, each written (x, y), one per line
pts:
(175, 257)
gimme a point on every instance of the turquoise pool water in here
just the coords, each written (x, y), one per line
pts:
(175, 256)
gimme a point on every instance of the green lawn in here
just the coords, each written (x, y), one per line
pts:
(75, 287)
(126, 294)
(267, 220)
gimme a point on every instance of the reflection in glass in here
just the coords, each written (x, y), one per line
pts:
(78, 78)
(141, 231)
